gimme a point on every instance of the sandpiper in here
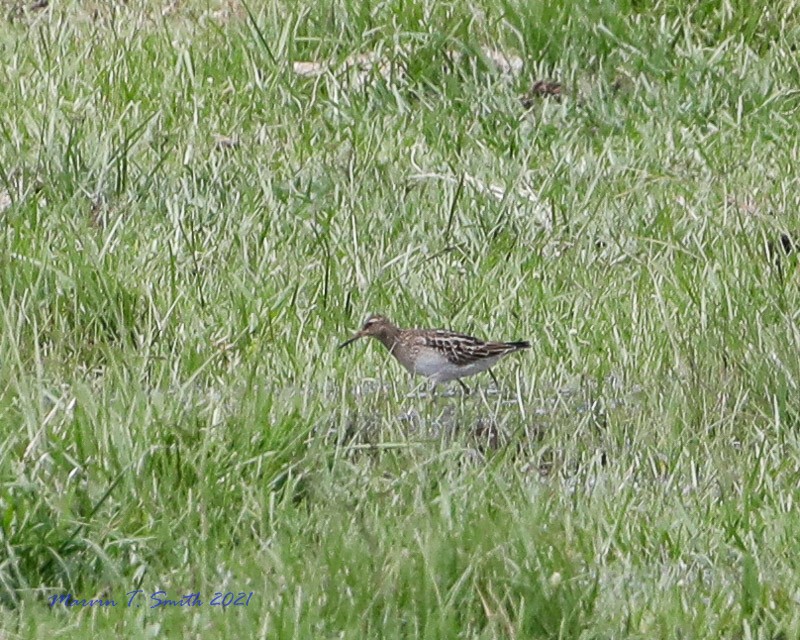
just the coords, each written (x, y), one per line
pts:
(437, 354)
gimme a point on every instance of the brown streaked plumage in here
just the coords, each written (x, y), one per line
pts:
(542, 89)
(435, 353)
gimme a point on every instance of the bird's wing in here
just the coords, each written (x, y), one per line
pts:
(461, 349)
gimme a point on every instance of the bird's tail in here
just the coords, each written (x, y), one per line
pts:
(521, 344)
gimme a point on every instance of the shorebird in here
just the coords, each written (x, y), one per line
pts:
(436, 354)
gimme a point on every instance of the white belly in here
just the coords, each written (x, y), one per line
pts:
(439, 369)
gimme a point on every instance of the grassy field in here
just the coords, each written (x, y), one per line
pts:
(200, 200)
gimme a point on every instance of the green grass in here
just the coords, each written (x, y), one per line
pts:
(174, 414)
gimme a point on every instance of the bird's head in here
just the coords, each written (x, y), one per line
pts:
(375, 326)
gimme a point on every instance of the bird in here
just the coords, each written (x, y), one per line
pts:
(437, 354)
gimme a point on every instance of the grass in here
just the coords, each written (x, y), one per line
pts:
(174, 414)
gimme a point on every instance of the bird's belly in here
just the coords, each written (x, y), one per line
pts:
(439, 369)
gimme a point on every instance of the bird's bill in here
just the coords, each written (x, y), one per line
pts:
(350, 341)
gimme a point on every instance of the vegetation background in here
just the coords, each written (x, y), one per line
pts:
(200, 199)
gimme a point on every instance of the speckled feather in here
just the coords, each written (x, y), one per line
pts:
(461, 349)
